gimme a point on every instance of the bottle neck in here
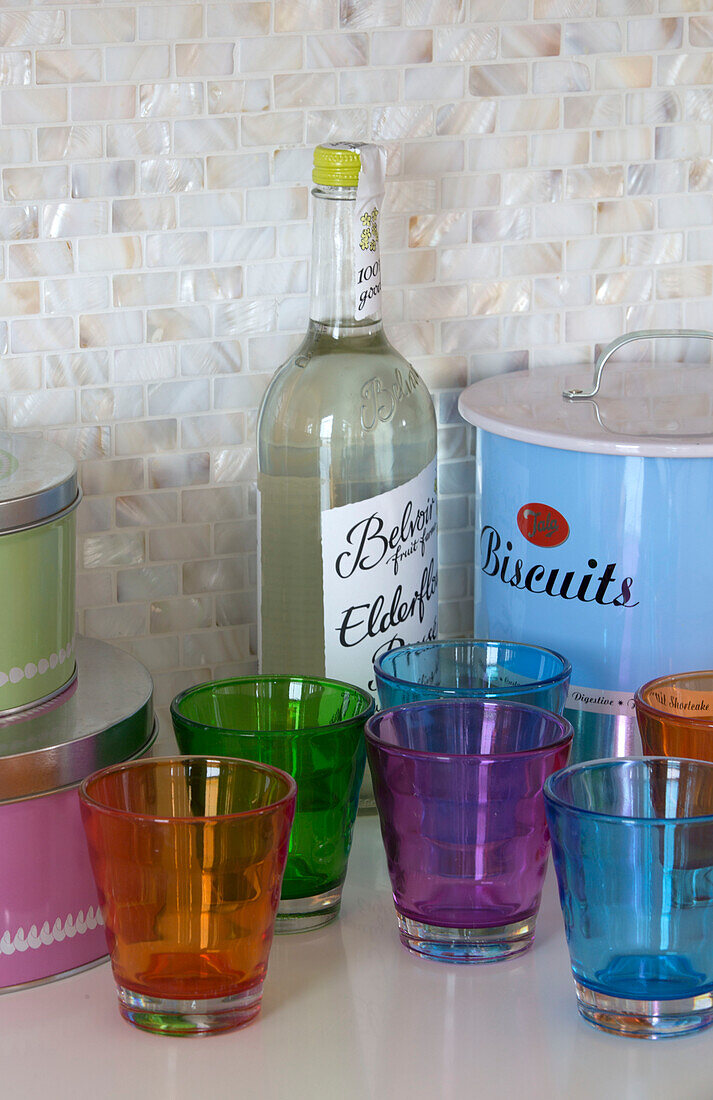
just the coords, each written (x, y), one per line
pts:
(334, 293)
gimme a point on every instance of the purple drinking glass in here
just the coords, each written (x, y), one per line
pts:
(458, 786)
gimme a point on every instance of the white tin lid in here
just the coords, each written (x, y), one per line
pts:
(663, 411)
(107, 719)
(38, 480)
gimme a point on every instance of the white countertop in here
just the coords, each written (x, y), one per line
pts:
(349, 1014)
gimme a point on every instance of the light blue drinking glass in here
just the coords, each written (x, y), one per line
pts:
(473, 668)
(632, 845)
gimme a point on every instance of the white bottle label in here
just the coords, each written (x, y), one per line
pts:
(380, 562)
(367, 264)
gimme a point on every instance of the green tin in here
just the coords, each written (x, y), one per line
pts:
(38, 500)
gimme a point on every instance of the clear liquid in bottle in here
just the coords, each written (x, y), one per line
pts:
(346, 465)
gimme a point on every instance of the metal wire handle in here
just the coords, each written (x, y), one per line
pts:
(645, 334)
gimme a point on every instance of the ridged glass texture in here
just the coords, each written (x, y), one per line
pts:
(458, 786)
(477, 669)
(675, 715)
(632, 843)
(313, 729)
(188, 856)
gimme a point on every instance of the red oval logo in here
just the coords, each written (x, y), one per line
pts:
(542, 525)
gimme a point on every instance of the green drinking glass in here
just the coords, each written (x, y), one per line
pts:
(313, 729)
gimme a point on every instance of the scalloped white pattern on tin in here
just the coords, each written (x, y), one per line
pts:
(37, 668)
(34, 939)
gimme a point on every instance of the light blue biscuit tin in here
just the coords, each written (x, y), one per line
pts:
(594, 527)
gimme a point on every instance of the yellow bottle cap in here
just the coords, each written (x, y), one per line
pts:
(337, 164)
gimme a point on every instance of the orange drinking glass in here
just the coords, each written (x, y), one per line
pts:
(188, 855)
(675, 715)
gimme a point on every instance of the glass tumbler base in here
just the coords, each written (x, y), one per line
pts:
(644, 1019)
(466, 945)
(306, 914)
(204, 1016)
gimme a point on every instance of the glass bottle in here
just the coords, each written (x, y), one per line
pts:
(346, 441)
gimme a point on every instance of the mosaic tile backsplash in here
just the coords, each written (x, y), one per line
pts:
(550, 187)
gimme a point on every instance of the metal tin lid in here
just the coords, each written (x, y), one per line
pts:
(663, 411)
(108, 719)
(37, 480)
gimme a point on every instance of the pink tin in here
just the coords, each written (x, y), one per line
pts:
(50, 922)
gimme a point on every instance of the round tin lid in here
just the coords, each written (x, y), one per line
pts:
(633, 409)
(37, 480)
(106, 720)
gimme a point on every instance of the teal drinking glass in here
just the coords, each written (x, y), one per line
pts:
(473, 668)
(632, 845)
(314, 730)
